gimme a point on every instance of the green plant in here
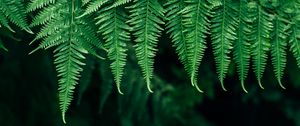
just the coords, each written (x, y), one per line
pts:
(247, 30)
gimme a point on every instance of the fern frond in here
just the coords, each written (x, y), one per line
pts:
(116, 34)
(278, 48)
(37, 4)
(72, 38)
(196, 23)
(15, 12)
(223, 34)
(262, 27)
(93, 7)
(241, 47)
(146, 18)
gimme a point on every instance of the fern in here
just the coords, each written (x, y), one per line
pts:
(15, 12)
(223, 35)
(196, 26)
(73, 38)
(278, 48)
(262, 27)
(241, 50)
(146, 18)
(249, 28)
(116, 33)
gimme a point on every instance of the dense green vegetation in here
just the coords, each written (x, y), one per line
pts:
(151, 50)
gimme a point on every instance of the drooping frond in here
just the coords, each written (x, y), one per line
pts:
(37, 4)
(241, 46)
(223, 34)
(262, 27)
(72, 38)
(93, 6)
(112, 25)
(146, 18)
(193, 46)
(15, 12)
(278, 48)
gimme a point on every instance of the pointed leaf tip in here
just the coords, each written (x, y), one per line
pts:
(64, 118)
(243, 86)
(223, 87)
(119, 89)
(198, 89)
(281, 85)
(260, 85)
(149, 86)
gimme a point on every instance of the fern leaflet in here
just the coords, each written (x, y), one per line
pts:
(146, 18)
(223, 35)
(262, 27)
(73, 38)
(196, 23)
(116, 33)
(278, 48)
(241, 50)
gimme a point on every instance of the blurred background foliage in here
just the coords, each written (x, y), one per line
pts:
(28, 92)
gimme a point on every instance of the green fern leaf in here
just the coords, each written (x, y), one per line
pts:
(223, 35)
(262, 27)
(278, 49)
(146, 18)
(241, 49)
(196, 23)
(116, 33)
(72, 38)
